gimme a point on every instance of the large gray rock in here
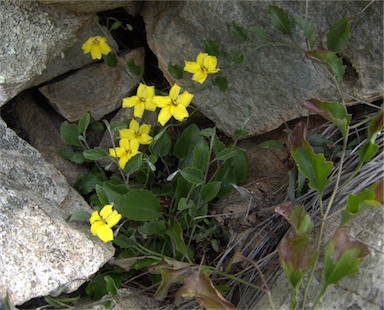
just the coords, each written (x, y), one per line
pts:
(40, 252)
(97, 88)
(89, 7)
(364, 290)
(42, 126)
(267, 88)
(40, 42)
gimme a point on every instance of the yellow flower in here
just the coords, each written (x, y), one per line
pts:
(173, 105)
(125, 151)
(101, 224)
(97, 46)
(137, 132)
(142, 101)
(203, 66)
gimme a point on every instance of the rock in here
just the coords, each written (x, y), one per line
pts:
(40, 252)
(43, 129)
(363, 290)
(269, 86)
(40, 42)
(87, 7)
(73, 57)
(97, 88)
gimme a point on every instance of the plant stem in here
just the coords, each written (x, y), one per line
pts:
(324, 217)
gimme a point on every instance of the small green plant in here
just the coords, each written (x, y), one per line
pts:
(159, 194)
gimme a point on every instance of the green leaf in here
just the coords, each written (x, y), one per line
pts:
(176, 234)
(116, 25)
(234, 171)
(221, 82)
(240, 133)
(297, 217)
(210, 190)
(134, 164)
(212, 48)
(101, 195)
(329, 58)
(313, 166)
(370, 197)
(152, 228)
(297, 257)
(161, 146)
(237, 58)
(185, 145)
(86, 184)
(185, 204)
(369, 149)
(192, 175)
(70, 133)
(110, 60)
(95, 154)
(309, 30)
(133, 68)
(259, 32)
(176, 71)
(343, 257)
(110, 285)
(280, 19)
(201, 156)
(115, 126)
(98, 286)
(274, 145)
(81, 216)
(75, 157)
(84, 122)
(339, 35)
(239, 32)
(334, 112)
(114, 191)
(226, 154)
(139, 205)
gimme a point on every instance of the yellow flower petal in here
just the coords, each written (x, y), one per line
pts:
(149, 105)
(95, 227)
(87, 46)
(162, 101)
(179, 112)
(200, 76)
(174, 92)
(113, 219)
(134, 146)
(123, 161)
(139, 110)
(145, 129)
(130, 102)
(134, 125)
(185, 99)
(94, 217)
(210, 63)
(105, 233)
(106, 211)
(149, 92)
(164, 115)
(124, 143)
(96, 52)
(145, 139)
(191, 66)
(126, 134)
(200, 58)
(117, 152)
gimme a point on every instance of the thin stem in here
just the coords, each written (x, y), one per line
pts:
(324, 217)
